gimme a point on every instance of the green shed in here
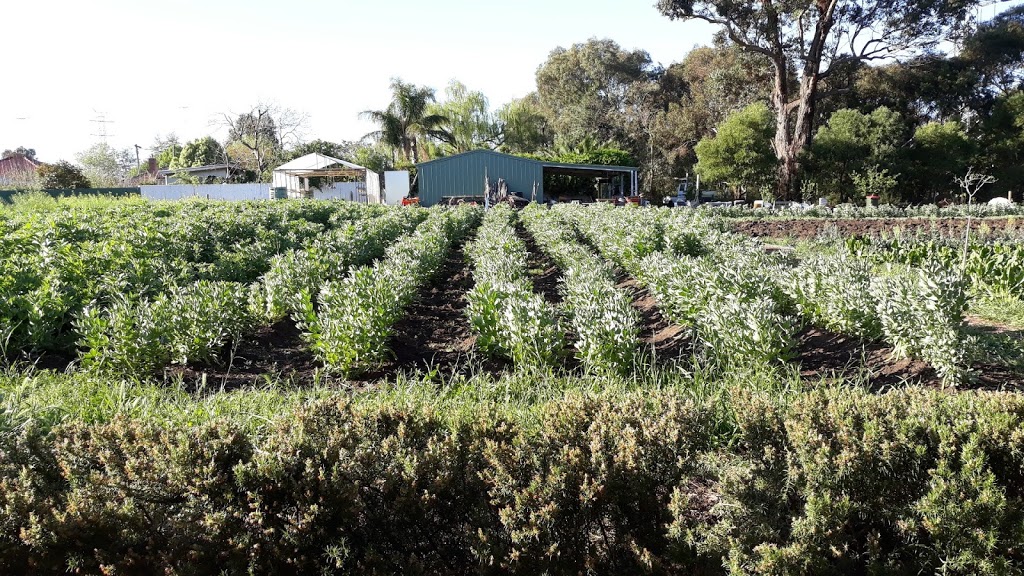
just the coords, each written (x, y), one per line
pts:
(462, 175)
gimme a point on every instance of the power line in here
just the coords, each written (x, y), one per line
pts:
(101, 120)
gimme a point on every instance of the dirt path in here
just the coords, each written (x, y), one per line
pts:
(825, 354)
(543, 271)
(272, 353)
(435, 331)
(668, 340)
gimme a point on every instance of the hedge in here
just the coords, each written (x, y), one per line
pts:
(826, 482)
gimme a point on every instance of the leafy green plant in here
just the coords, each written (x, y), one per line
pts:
(602, 319)
(348, 324)
(509, 318)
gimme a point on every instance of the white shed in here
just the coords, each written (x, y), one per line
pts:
(333, 178)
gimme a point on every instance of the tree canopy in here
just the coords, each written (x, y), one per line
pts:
(740, 152)
(406, 119)
(806, 41)
(62, 175)
(106, 166)
(29, 153)
(200, 152)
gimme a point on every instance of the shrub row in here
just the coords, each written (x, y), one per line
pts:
(832, 482)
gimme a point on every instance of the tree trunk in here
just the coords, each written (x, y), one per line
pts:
(791, 144)
(783, 142)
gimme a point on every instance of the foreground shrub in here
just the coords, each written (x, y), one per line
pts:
(833, 481)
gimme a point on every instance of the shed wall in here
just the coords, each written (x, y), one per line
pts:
(463, 175)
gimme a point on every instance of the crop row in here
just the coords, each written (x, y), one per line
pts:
(193, 322)
(745, 306)
(55, 264)
(348, 324)
(883, 211)
(603, 321)
(509, 318)
(989, 265)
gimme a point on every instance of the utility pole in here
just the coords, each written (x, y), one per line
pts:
(138, 164)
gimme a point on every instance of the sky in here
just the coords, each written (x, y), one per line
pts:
(153, 68)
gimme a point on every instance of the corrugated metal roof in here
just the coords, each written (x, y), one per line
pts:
(606, 167)
(17, 164)
(480, 151)
(315, 161)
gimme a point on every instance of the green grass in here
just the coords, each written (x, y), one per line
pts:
(1003, 343)
(999, 308)
(47, 399)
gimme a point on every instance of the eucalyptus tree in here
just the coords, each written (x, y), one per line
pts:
(811, 40)
(584, 88)
(406, 119)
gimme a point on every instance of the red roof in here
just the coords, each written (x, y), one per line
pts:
(16, 165)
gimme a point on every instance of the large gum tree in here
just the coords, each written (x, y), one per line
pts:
(807, 41)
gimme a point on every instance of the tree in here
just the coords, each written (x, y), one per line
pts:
(719, 80)
(200, 152)
(405, 120)
(62, 175)
(740, 153)
(374, 157)
(522, 126)
(583, 89)
(814, 39)
(106, 166)
(468, 123)
(995, 52)
(940, 153)
(258, 138)
(29, 153)
(851, 143)
(1001, 143)
(340, 150)
(165, 149)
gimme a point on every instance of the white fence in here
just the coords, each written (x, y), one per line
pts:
(255, 191)
(354, 191)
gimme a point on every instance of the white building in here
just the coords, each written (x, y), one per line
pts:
(322, 177)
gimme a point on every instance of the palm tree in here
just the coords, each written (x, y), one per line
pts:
(406, 119)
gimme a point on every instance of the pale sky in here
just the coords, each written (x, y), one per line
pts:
(159, 67)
